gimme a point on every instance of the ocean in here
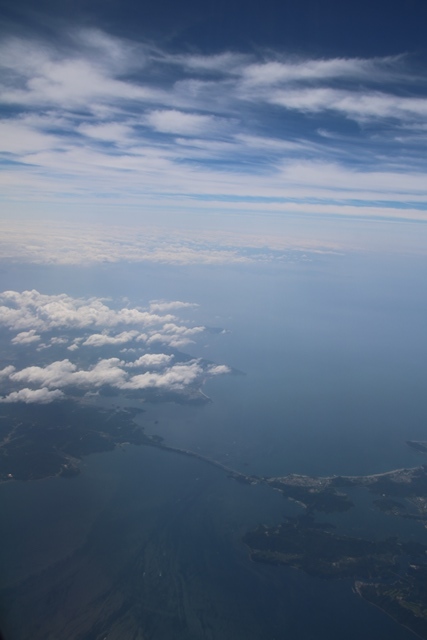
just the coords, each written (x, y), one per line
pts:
(330, 359)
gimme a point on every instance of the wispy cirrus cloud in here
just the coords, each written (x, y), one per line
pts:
(354, 105)
(164, 305)
(188, 124)
(100, 119)
(285, 71)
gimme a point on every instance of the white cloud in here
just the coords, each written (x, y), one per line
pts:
(64, 373)
(5, 373)
(186, 124)
(51, 243)
(202, 133)
(357, 105)
(291, 71)
(102, 339)
(174, 379)
(108, 132)
(35, 311)
(175, 329)
(67, 82)
(219, 370)
(29, 396)
(159, 306)
(20, 138)
(174, 335)
(26, 337)
(48, 382)
(149, 360)
(227, 62)
(58, 340)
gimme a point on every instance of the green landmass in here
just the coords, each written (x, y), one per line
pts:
(38, 441)
(405, 599)
(390, 573)
(326, 494)
(318, 550)
(323, 498)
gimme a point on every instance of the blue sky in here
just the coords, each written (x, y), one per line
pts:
(189, 114)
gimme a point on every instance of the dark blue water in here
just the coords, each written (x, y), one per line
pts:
(164, 555)
(335, 360)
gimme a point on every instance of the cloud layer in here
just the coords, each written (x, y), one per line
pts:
(99, 119)
(52, 243)
(88, 372)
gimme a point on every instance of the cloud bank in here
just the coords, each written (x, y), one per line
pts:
(88, 372)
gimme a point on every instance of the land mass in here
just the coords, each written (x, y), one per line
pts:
(327, 493)
(389, 573)
(38, 441)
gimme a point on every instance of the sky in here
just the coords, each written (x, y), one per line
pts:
(228, 125)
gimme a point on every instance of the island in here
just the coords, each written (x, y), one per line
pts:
(390, 573)
(327, 493)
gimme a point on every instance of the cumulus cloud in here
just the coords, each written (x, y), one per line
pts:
(37, 396)
(219, 370)
(175, 378)
(52, 312)
(111, 372)
(40, 312)
(58, 340)
(26, 337)
(149, 360)
(5, 373)
(49, 313)
(64, 373)
(102, 339)
(47, 382)
(174, 335)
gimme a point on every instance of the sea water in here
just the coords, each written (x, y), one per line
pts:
(331, 363)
